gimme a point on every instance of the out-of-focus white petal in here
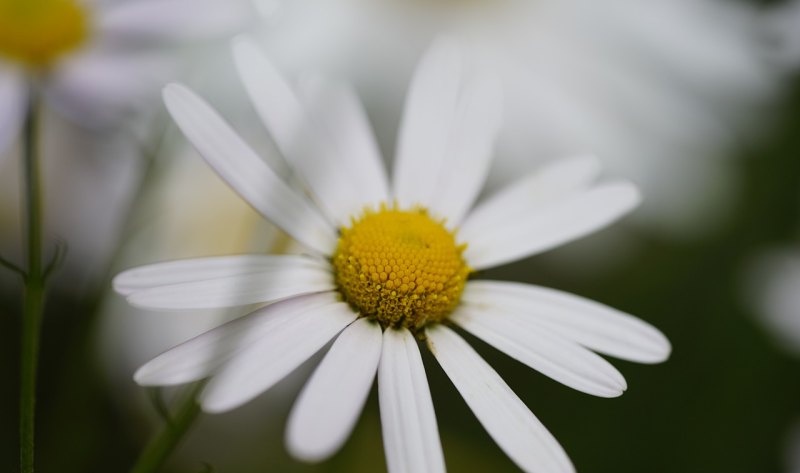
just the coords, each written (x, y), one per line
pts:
(274, 355)
(328, 407)
(593, 325)
(14, 98)
(159, 21)
(410, 436)
(199, 269)
(204, 354)
(428, 121)
(98, 89)
(332, 148)
(470, 147)
(510, 423)
(532, 229)
(246, 172)
(550, 183)
(543, 350)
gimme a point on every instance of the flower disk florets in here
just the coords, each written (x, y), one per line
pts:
(400, 267)
(37, 32)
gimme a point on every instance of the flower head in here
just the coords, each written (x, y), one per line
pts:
(390, 265)
(95, 62)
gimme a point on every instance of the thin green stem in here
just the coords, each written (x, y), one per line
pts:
(33, 302)
(164, 443)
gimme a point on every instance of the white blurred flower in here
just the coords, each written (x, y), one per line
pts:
(396, 268)
(661, 89)
(97, 60)
(773, 290)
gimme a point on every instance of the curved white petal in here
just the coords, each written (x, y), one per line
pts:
(329, 405)
(553, 181)
(199, 269)
(532, 229)
(14, 97)
(504, 416)
(201, 356)
(343, 172)
(410, 436)
(159, 21)
(591, 324)
(469, 151)
(274, 355)
(543, 350)
(428, 120)
(248, 174)
(236, 290)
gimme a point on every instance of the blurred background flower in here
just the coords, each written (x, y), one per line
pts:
(695, 100)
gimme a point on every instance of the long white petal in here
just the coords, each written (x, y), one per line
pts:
(543, 350)
(274, 355)
(199, 269)
(553, 181)
(469, 150)
(591, 324)
(14, 98)
(533, 229)
(159, 21)
(410, 436)
(504, 416)
(236, 290)
(329, 405)
(343, 172)
(248, 174)
(201, 356)
(429, 118)
(337, 112)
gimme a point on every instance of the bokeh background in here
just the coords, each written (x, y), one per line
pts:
(707, 121)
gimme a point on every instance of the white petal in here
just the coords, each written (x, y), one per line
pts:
(337, 112)
(553, 181)
(543, 350)
(14, 97)
(469, 150)
(532, 229)
(343, 173)
(204, 354)
(159, 21)
(274, 355)
(330, 403)
(504, 416)
(99, 89)
(199, 269)
(593, 325)
(236, 290)
(410, 436)
(248, 174)
(428, 120)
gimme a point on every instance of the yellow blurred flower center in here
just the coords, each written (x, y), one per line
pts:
(401, 268)
(37, 32)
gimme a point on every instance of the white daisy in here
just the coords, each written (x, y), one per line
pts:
(391, 264)
(95, 59)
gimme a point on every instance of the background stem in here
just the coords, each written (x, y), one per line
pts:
(33, 302)
(164, 443)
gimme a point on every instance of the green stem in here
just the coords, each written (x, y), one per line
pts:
(33, 302)
(164, 443)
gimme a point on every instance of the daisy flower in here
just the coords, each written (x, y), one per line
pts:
(95, 59)
(390, 265)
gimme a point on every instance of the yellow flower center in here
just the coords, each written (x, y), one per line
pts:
(37, 32)
(401, 268)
